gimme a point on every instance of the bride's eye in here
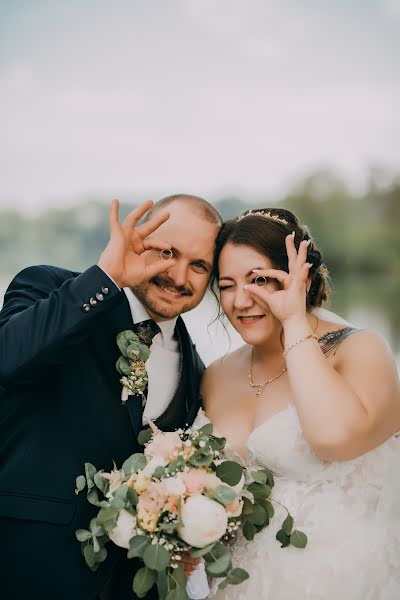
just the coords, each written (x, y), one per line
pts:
(225, 287)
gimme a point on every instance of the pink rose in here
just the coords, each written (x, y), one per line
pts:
(150, 505)
(195, 481)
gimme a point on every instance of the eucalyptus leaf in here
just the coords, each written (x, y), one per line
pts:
(287, 525)
(283, 538)
(298, 539)
(144, 436)
(136, 462)
(219, 567)
(101, 555)
(143, 581)
(131, 496)
(197, 552)
(88, 553)
(80, 483)
(207, 429)
(125, 338)
(259, 491)
(224, 583)
(123, 366)
(90, 472)
(237, 576)
(248, 507)
(100, 481)
(176, 465)
(229, 472)
(218, 550)
(177, 593)
(259, 515)
(93, 497)
(259, 477)
(201, 459)
(137, 546)
(82, 535)
(249, 531)
(156, 557)
(96, 545)
(224, 494)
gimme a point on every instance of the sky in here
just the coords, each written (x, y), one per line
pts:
(141, 99)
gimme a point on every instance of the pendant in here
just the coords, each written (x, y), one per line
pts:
(259, 391)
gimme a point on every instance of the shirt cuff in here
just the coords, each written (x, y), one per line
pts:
(109, 277)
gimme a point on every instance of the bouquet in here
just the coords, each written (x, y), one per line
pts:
(179, 496)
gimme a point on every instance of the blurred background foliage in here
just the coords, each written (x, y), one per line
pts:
(358, 234)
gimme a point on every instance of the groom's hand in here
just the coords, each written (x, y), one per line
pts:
(123, 259)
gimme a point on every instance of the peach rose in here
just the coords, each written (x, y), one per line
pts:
(195, 481)
(234, 509)
(150, 505)
(165, 444)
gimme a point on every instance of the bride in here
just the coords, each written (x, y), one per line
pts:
(319, 404)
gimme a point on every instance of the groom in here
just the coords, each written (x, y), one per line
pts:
(60, 394)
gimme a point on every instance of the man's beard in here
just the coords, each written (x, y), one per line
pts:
(157, 307)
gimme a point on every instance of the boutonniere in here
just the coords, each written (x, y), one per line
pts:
(132, 364)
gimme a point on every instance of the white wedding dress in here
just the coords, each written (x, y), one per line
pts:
(349, 510)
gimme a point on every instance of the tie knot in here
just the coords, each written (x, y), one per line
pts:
(146, 330)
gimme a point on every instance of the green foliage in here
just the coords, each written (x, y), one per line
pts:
(229, 472)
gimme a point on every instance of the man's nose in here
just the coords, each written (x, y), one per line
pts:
(242, 298)
(178, 273)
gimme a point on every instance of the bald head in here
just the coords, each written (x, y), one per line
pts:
(200, 206)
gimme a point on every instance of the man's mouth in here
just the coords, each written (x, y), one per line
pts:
(169, 290)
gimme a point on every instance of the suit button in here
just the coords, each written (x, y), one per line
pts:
(105, 290)
(99, 297)
(86, 308)
(93, 302)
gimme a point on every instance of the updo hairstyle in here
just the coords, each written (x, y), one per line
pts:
(266, 234)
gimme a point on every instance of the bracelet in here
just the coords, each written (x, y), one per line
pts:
(299, 341)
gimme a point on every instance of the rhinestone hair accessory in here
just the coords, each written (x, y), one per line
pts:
(266, 215)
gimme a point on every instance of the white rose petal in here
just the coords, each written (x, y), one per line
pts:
(174, 486)
(204, 521)
(124, 530)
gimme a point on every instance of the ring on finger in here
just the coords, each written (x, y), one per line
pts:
(166, 254)
(260, 280)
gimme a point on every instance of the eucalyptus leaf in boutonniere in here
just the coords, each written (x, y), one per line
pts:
(132, 364)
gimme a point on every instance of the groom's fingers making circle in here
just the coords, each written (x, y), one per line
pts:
(113, 217)
(151, 243)
(147, 228)
(132, 219)
(158, 267)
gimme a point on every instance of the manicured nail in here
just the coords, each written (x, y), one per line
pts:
(293, 234)
(309, 265)
(308, 243)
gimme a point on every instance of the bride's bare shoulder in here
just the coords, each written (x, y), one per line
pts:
(221, 369)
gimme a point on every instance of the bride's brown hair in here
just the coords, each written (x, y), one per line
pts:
(266, 233)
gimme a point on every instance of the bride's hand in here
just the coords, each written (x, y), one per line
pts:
(290, 300)
(123, 259)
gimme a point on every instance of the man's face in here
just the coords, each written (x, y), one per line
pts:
(182, 286)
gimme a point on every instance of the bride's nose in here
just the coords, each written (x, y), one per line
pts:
(242, 298)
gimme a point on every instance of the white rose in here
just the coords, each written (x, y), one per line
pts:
(124, 530)
(213, 482)
(204, 521)
(174, 486)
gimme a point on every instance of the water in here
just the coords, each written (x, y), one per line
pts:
(364, 301)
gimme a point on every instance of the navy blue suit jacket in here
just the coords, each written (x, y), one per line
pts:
(60, 407)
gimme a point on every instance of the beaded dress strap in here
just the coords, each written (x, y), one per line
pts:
(331, 341)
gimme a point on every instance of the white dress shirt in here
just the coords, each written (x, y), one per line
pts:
(163, 364)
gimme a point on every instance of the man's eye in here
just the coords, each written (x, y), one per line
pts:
(200, 267)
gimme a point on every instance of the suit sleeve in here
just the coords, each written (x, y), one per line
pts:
(45, 314)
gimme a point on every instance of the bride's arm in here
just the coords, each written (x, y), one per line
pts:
(346, 409)
(351, 407)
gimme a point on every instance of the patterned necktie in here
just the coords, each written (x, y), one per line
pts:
(145, 330)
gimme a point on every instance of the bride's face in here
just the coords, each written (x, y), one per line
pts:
(253, 322)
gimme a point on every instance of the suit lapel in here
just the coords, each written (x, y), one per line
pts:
(119, 320)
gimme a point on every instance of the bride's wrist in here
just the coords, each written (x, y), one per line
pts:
(295, 328)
